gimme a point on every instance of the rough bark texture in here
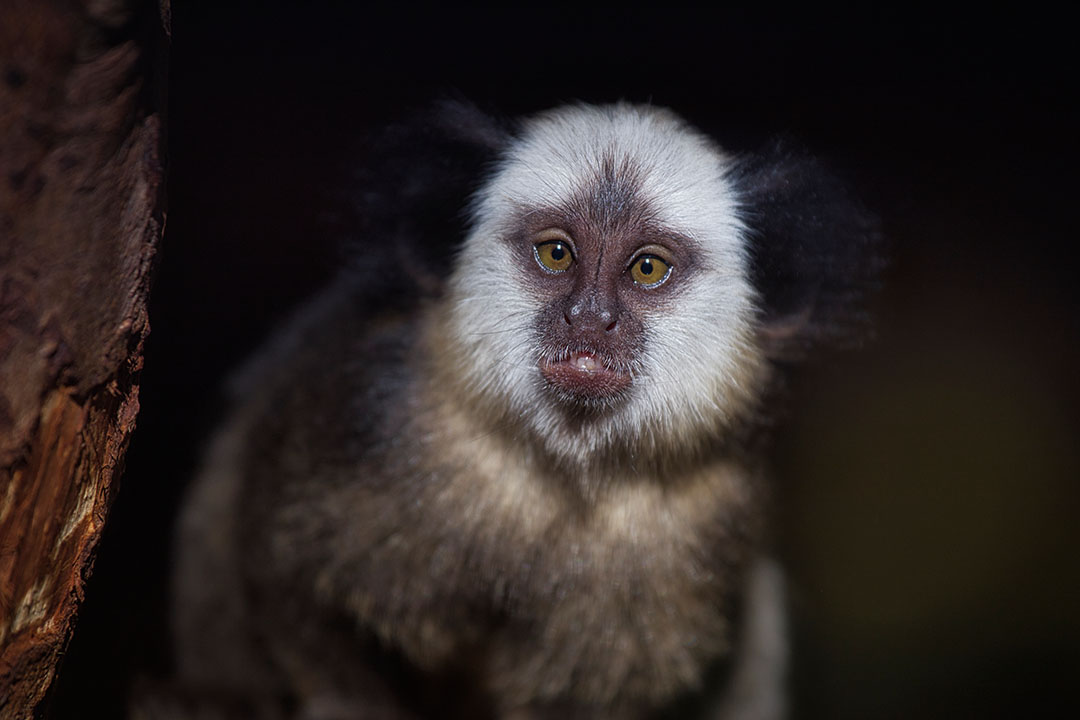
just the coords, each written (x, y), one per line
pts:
(81, 213)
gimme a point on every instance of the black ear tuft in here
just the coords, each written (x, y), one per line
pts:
(411, 194)
(815, 251)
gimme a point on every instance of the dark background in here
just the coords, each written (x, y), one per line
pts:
(927, 484)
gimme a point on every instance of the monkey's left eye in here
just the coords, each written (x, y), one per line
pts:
(554, 255)
(649, 271)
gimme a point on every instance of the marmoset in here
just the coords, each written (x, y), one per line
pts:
(532, 489)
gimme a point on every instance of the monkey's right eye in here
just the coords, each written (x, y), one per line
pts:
(554, 255)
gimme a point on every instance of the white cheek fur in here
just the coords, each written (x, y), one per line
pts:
(493, 317)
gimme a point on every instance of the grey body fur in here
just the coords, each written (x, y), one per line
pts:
(405, 518)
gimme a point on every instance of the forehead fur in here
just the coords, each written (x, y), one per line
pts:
(675, 171)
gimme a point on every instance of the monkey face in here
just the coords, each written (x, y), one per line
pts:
(603, 296)
(597, 272)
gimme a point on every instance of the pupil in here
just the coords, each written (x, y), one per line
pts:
(557, 253)
(646, 267)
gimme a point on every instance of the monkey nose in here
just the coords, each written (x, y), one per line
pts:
(583, 316)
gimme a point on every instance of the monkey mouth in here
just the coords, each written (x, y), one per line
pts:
(585, 375)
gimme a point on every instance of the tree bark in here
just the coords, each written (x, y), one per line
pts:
(81, 213)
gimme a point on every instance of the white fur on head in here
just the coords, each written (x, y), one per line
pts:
(700, 365)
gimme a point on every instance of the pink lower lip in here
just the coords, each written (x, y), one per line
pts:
(584, 374)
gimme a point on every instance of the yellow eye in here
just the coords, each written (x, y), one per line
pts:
(554, 255)
(649, 271)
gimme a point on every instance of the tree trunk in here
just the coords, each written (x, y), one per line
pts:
(81, 213)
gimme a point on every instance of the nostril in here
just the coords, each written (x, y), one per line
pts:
(566, 317)
(611, 327)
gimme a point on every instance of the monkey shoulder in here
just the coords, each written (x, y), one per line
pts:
(324, 409)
